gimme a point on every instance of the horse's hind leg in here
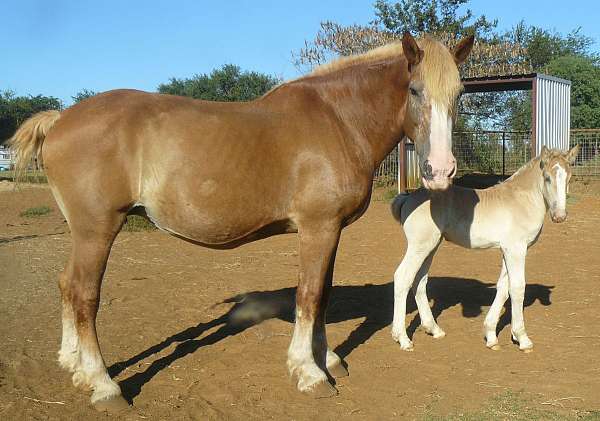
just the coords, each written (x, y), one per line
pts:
(420, 290)
(80, 290)
(491, 320)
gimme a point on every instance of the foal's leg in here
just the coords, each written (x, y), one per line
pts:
(80, 288)
(515, 264)
(420, 291)
(308, 349)
(491, 320)
(403, 279)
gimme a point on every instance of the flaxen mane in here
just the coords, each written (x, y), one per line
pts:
(437, 70)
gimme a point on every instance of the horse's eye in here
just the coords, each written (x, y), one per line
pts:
(547, 179)
(414, 92)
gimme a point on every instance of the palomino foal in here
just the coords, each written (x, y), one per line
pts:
(299, 159)
(508, 216)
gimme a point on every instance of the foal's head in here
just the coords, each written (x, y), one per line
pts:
(434, 87)
(556, 170)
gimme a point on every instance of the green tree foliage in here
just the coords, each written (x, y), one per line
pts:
(83, 94)
(543, 45)
(584, 74)
(229, 83)
(16, 109)
(567, 56)
(431, 16)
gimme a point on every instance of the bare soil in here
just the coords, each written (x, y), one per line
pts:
(192, 333)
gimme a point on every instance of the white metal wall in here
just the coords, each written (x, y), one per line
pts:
(553, 111)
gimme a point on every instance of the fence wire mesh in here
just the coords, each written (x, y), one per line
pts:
(502, 153)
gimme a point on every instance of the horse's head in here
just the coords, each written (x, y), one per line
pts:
(433, 89)
(556, 171)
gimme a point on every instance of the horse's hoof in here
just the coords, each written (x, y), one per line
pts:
(321, 390)
(527, 350)
(111, 405)
(494, 347)
(80, 381)
(338, 371)
(439, 334)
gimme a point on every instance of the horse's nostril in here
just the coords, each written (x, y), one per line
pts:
(427, 170)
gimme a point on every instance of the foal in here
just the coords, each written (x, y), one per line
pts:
(508, 216)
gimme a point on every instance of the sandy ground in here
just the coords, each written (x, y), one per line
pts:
(192, 333)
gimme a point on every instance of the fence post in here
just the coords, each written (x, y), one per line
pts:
(402, 187)
(503, 151)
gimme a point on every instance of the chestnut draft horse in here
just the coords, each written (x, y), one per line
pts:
(299, 159)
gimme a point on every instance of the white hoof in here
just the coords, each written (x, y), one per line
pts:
(436, 332)
(81, 381)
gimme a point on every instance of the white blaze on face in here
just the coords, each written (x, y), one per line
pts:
(561, 187)
(440, 138)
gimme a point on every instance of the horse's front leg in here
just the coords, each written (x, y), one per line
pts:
(308, 354)
(515, 265)
(403, 279)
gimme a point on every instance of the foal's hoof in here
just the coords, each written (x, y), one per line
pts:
(438, 334)
(495, 347)
(111, 405)
(321, 390)
(338, 371)
(527, 350)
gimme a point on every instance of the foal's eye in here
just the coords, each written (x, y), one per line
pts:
(547, 179)
(414, 92)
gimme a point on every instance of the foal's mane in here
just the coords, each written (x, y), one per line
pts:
(437, 70)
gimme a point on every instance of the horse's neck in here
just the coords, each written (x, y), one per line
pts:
(527, 182)
(369, 103)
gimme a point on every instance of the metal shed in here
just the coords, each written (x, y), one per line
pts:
(550, 115)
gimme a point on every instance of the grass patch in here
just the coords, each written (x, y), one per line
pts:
(136, 223)
(34, 176)
(571, 199)
(36, 211)
(514, 406)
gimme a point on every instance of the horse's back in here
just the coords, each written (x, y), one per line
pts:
(209, 172)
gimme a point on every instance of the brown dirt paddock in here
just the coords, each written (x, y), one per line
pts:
(184, 343)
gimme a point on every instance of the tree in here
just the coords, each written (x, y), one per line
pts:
(229, 83)
(584, 75)
(431, 16)
(83, 94)
(541, 46)
(16, 109)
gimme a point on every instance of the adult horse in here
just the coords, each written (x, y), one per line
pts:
(299, 159)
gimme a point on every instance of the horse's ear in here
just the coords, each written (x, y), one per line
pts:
(463, 48)
(572, 154)
(544, 156)
(411, 50)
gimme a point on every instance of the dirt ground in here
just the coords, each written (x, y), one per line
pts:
(192, 333)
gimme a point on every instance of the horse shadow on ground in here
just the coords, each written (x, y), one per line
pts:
(374, 303)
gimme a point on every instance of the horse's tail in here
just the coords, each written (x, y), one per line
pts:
(397, 206)
(27, 142)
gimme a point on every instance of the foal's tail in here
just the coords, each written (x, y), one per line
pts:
(27, 142)
(397, 206)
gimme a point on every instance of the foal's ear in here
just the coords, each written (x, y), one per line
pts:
(572, 154)
(463, 48)
(545, 156)
(411, 50)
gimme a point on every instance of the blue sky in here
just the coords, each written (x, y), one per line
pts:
(60, 47)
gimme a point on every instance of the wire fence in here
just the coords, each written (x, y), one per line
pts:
(502, 153)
